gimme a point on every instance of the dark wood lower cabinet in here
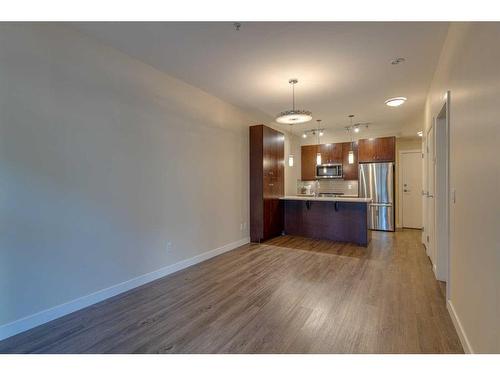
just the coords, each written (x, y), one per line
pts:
(273, 218)
(335, 221)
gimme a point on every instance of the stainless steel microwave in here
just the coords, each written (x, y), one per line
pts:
(329, 171)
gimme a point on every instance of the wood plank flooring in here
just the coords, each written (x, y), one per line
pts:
(288, 295)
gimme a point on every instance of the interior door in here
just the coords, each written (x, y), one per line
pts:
(429, 197)
(411, 173)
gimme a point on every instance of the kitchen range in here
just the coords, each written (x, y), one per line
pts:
(346, 189)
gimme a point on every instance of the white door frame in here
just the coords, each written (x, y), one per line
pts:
(439, 247)
(442, 192)
(430, 244)
(400, 182)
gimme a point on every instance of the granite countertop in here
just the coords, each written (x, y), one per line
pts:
(326, 199)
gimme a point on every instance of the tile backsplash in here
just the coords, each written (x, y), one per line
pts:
(346, 187)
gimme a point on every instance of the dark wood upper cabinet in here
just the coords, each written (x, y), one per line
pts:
(377, 150)
(349, 171)
(331, 153)
(267, 182)
(308, 162)
(365, 151)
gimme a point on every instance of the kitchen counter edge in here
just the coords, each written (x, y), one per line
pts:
(326, 199)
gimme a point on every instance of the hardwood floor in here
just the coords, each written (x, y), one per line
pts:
(288, 295)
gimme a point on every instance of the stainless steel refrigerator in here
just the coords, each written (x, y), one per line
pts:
(376, 181)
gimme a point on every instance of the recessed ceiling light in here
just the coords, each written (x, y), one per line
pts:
(395, 102)
(304, 135)
(420, 133)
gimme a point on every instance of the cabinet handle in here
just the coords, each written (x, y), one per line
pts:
(271, 184)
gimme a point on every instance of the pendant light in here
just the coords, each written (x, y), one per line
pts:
(290, 160)
(294, 116)
(350, 156)
(318, 154)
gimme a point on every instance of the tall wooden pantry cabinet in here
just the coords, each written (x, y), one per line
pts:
(267, 182)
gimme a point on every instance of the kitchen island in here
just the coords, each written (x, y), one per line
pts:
(342, 219)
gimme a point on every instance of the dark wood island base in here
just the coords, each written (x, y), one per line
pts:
(344, 221)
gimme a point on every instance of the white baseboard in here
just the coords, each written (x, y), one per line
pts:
(31, 321)
(458, 327)
(434, 270)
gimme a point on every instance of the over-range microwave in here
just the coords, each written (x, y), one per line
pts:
(329, 171)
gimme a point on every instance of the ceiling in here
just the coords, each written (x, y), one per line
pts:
(342, 67)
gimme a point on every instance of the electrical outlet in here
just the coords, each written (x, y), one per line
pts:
(169, 246)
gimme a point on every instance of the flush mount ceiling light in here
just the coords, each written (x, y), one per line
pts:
(294, 116)
(395, 102)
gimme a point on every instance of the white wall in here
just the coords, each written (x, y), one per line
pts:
(104, 159)
(468, 66)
